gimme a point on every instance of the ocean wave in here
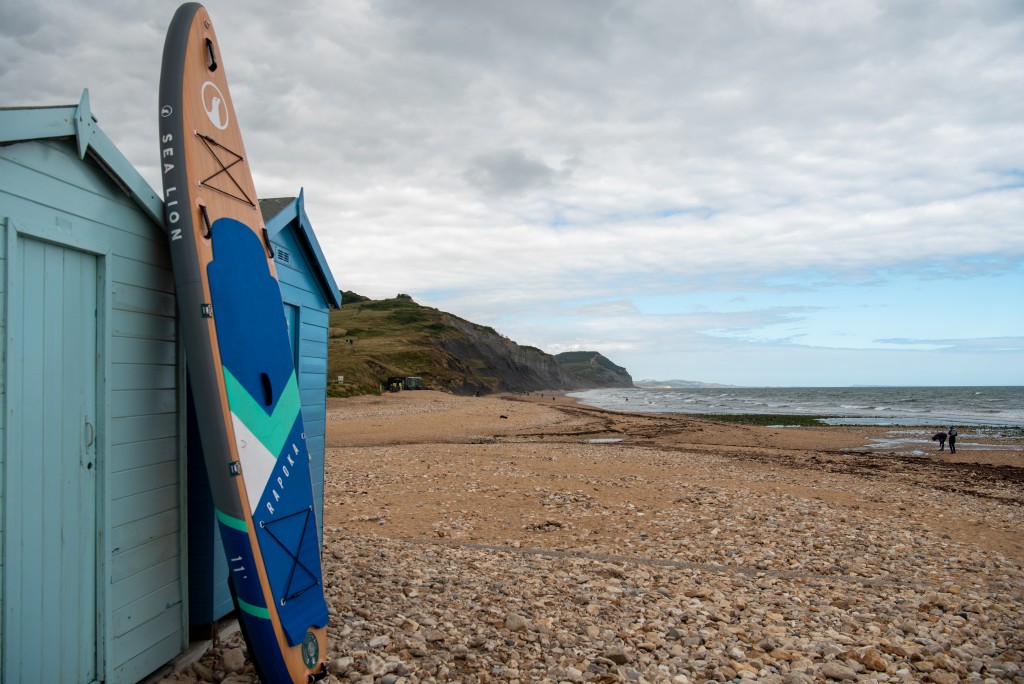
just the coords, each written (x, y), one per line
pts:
(901, 405)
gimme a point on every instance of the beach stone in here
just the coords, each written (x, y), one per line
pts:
(236, 679)
(379, 642)
(618, 656)
(942, 677)
(233, 660)
(834, 670)
(516, 623)
(797, 678)
(873, 660)
(203, 672)
(339, 666)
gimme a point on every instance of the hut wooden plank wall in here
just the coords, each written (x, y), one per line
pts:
(309, 292)
(91, 439)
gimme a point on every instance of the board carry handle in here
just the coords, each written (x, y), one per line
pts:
(206, 221)
(268, 391)
(211, 58)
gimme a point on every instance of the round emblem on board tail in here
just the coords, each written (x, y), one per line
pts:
(215, 105)
(310, 651)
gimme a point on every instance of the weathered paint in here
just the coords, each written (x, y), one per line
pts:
(56, 194)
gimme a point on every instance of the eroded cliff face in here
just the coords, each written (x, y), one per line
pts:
(373, 340)
(493, 363)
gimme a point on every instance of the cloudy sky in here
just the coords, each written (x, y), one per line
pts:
(762, 192)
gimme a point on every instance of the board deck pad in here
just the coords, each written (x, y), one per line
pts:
(263, 397)
(240, 364)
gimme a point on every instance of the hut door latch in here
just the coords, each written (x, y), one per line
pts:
(89, 435)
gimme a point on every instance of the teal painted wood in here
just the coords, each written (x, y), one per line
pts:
(138, 376)
(26, 124)
(143, 583)
(299, 288)
(133, 351)
(130, 402)
(163, 633)
(87, 195)
(153, 502)
(209, 596)
(313, 365)
(3, 411)
(142, 326)
(50, 589)
(128, 456)
(77, 122)
(46, 187)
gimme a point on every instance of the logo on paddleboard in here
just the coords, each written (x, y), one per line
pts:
(310, 651)
(215, 105)
(166, 111)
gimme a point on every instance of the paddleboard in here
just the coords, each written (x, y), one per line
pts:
(239, 360)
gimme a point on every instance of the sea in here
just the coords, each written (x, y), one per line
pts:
(883, 406)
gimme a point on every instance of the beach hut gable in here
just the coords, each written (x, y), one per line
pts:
(289, 213)
(91, 498)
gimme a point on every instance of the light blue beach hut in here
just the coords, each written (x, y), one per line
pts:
(309, 292)
(92, 562)
(97, 505)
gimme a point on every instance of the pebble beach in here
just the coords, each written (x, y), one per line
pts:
(531, 539)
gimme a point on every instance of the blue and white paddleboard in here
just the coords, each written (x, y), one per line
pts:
(239, 360)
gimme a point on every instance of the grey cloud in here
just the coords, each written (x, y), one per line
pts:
(509, 172)
(21, 18)
(847, 139)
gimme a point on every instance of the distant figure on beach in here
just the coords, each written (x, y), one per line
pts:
(952, 440)
(940, 437)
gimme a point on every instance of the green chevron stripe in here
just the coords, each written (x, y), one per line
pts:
(255, 611)
(231, 521)
(271, 430)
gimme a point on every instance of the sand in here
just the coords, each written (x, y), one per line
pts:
(400, 456)
(529, 539)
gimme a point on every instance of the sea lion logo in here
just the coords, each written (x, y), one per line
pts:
(310, 651)
(215, 105)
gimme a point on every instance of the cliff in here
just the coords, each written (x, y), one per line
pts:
(371, 341)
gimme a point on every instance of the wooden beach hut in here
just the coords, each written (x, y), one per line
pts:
(92, 562)
(102, 518)
(309, 292)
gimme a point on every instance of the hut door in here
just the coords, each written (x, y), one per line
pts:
(50, 541)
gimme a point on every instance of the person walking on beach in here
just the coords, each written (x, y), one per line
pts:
(952, 440)
(940, 437)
